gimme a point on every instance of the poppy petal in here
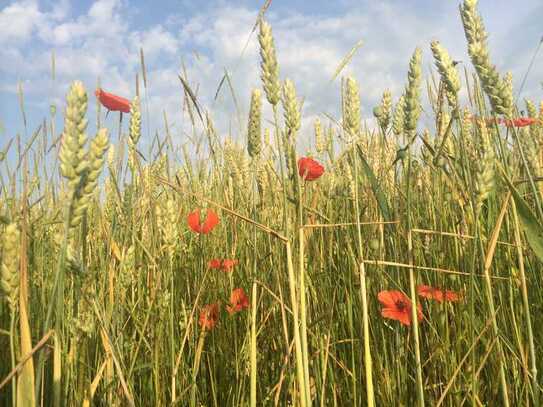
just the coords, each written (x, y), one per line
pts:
(211, 221)
(227, 264)
(430, 293)
(390, 298)
(214, 264)
(396, 315)
(193, 220)
(452, 296)
(113, 102)
(309, 169)
(385, 298)
(238, 300)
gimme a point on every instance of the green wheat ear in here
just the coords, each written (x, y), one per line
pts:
(351, 115)
(269, 66)
(254, 136)
(448, 72)
(293, 121)
(72, 152)
(95, 162)
(134, 132)
(497, 89)
(398, 117)
(383, 112)
(320, 142)
(291, 107)
(412, 92)
(9, 277)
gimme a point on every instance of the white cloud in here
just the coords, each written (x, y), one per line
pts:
(18, 21)
(155, 41)
(103, 43)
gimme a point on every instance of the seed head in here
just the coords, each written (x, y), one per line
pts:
(268, 64)
(254, 137)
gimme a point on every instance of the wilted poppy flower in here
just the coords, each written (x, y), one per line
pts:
(225, 265)
(397, 306)
(238, 301)
(209, 315)
(193, 219)
(309, 169)
(113, 102)
(432, 293)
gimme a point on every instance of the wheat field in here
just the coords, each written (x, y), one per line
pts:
(249, 274)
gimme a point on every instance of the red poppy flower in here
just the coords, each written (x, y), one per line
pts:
(309, 169)
(193, 219)
(397, 306)
(238, 301)
(209, 315)
(113, 102)
(432, 293)
(519, 122)
(225, 265)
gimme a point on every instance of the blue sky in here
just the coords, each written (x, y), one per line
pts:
(102, 38)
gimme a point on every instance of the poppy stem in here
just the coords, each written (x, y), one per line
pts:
(120, 124)
(302, 273)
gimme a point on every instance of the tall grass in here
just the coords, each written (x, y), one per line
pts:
(103, 282)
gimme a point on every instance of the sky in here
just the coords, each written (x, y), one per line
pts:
(101, 40)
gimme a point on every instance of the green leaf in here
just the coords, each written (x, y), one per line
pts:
(376, 188)
(531, 226)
